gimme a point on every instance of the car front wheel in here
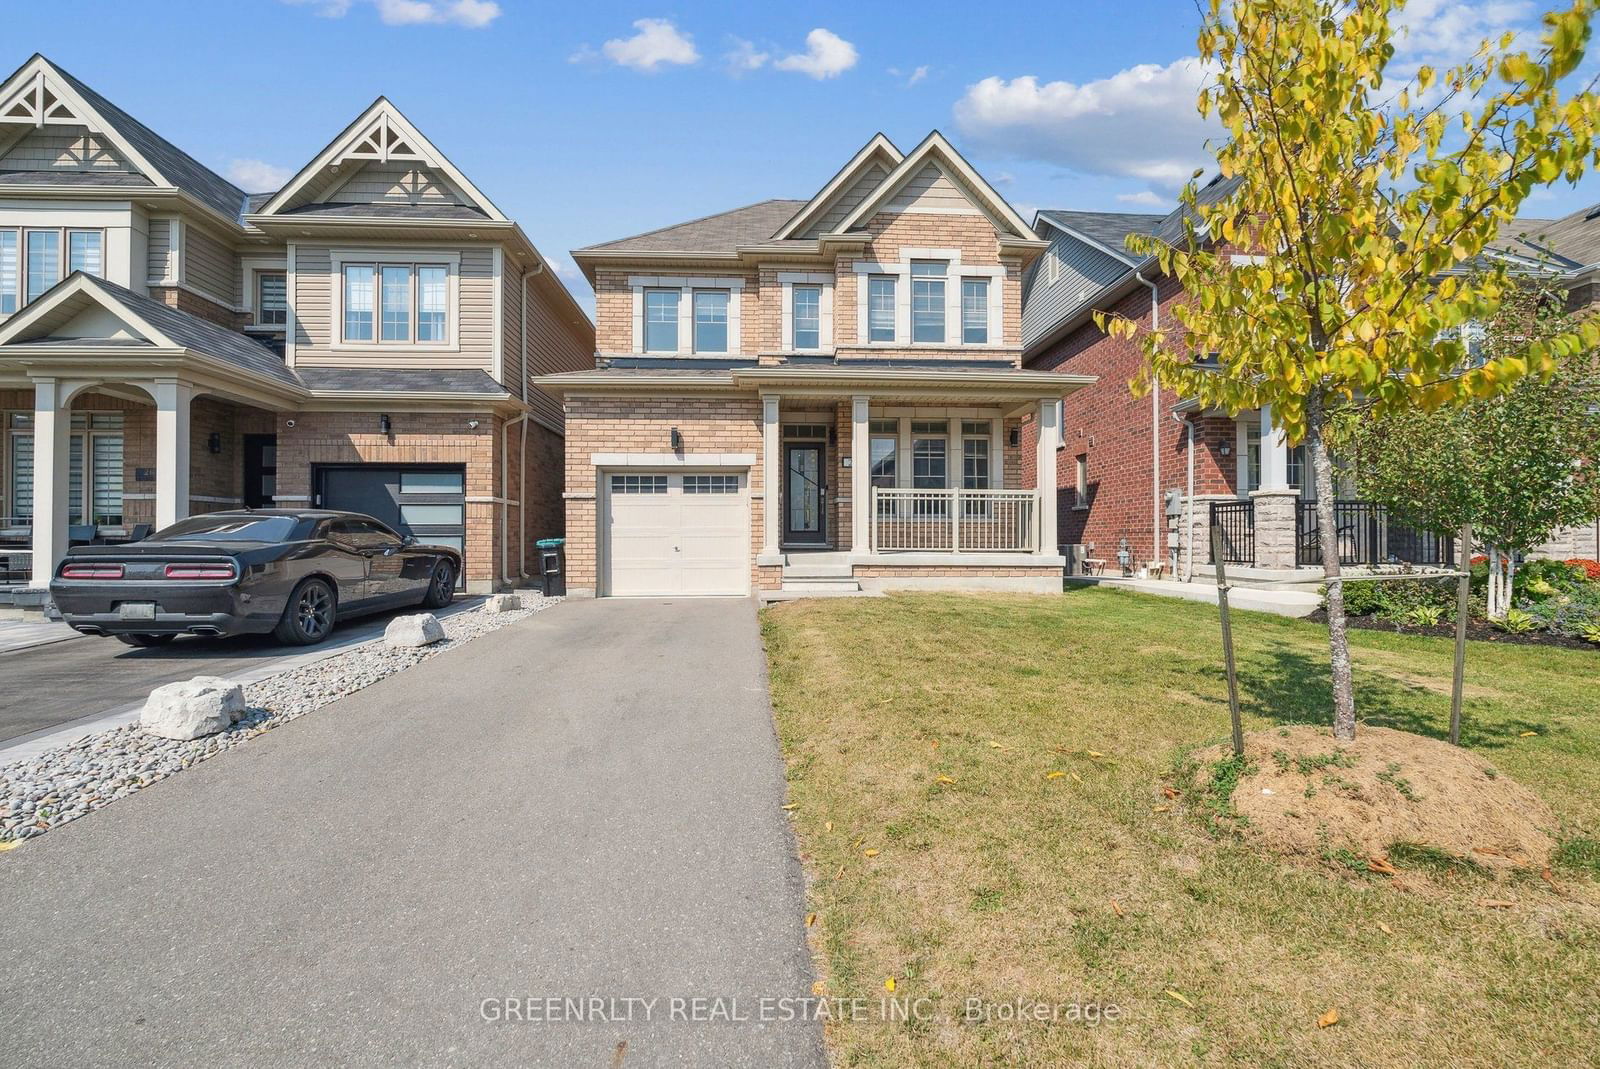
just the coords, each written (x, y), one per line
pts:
(441, 587)
(309, 616)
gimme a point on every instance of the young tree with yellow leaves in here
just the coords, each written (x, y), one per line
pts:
(1361, 207)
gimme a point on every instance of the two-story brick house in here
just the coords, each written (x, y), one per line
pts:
(815, 394)
(365, 337)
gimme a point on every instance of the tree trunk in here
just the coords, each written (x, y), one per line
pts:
(1496, 592)
(1508, 595)
(1344, 698)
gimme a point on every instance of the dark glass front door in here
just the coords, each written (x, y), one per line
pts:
(260, 470)
(804, 494)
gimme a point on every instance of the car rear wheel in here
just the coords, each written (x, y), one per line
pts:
(309, 616)
(145, 641)
(442, 587)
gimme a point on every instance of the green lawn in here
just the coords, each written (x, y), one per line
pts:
(994, 881)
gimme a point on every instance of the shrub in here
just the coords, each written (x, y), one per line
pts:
(1590, 568)
(1571, 614)
(1517, 622)
(1360, 599)
(1423, 615)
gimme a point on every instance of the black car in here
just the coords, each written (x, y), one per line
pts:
(290, 572)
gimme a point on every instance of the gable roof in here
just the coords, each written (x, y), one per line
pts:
(1106, 230)
(154, 323)
(159, 160)
(935, 148)
(878, 150)
(380, 133)
(1571, 242)
(720, 233)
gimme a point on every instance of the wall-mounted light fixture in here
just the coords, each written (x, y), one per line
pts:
(384, 423)
(677, 441)
(289, 423)
(1226, 449)
(472, 424)
(214, 442)
(833, 435)
(1016, 437)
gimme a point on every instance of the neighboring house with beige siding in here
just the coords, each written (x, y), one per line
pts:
(365, 337)
(805, 396)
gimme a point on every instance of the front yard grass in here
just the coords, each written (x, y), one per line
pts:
(925, 729)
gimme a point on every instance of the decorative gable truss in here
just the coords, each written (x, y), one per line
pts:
(379, 157)
(46, 125)
(855, 181)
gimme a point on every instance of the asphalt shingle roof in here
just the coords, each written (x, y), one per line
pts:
(397, 210)
(1108, 228)
(176, 165)
(751, 225)
(404, 380)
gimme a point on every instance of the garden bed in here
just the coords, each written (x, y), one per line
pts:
(1477, 631)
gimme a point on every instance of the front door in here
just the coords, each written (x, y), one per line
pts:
(805, 494)
(260, 470)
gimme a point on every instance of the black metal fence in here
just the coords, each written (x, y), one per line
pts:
(1367, 536)
(1237, 521)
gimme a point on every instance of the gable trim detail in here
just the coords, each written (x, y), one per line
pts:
(36, 94)
(938, 150)
(878, 148)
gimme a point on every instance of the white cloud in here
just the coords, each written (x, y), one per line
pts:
(1139, 123)
(258, 176)
(827, 55)
(657, 43)
(1145, 199)
(473, 14)
(745, 57)
(917, 75)
(1446, 32)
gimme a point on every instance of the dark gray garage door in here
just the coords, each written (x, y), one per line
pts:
(428, 501)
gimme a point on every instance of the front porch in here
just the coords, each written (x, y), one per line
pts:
(906, 484)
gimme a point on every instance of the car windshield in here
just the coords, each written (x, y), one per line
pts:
(228, 529)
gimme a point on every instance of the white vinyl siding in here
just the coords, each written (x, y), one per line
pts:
(405, 183)
(931, 190)
(848, 201)
(161, 261)
(209, 266)
(470, 308)
(63, 148)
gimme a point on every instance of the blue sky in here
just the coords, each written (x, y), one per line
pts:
(593, 121)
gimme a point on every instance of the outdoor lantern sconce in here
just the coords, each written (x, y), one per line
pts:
(1226, 449)
(214, 442)
(677, 441)
(384, 424)
(1016, 437)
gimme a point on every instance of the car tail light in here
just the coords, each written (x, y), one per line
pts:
(91, 571)
(200, 571)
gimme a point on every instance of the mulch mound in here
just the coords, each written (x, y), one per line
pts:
(1303, 793)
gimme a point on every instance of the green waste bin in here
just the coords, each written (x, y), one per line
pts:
(552, 566)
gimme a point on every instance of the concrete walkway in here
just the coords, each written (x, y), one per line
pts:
(581, 805)
(1278, 601)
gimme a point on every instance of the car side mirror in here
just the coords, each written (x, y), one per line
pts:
(408, 540)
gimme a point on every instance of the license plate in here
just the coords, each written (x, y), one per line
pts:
(138, 610)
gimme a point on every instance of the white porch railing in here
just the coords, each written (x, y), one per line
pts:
(955, 521)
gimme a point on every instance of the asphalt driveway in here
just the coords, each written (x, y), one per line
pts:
(583, 805)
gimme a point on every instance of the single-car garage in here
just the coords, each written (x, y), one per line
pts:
(427, 501)
(676, 533)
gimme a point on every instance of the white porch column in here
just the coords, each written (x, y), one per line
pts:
(771, 468)
(1274, 454)
(860, 477)
(52, 429)
(172, 450)
(1045, 464)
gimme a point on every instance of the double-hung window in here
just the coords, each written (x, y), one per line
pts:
(710, 321)
(391, 304)
(927, 301)
(8, 272)
(272, 298)
(975, 455)
(929, 463)
(44, 262)
(806, 310)
(880, 308)
(84, 252)
(975, 311)
(661, 321)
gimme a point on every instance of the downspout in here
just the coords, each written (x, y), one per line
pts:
(506, 573)
(522, 498)
(1188, 503)
(1157, 515)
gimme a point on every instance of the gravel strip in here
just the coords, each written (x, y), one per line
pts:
(61, 785)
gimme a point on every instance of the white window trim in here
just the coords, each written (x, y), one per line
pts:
(63, 254)
(395, 257)
(788, 280)
(901, 271)
(248, 269)
(687, 285)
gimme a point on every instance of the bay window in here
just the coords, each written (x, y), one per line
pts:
(33, 259)
(8, 272)
(84, 252)
(395, 304)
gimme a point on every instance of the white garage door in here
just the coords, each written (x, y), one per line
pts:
(669, 533)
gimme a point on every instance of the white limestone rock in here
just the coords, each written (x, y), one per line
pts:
(423, 629)
(503, 603)
(192, 708)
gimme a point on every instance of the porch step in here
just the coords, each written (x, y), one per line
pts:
(817, 570)
(838, 584)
